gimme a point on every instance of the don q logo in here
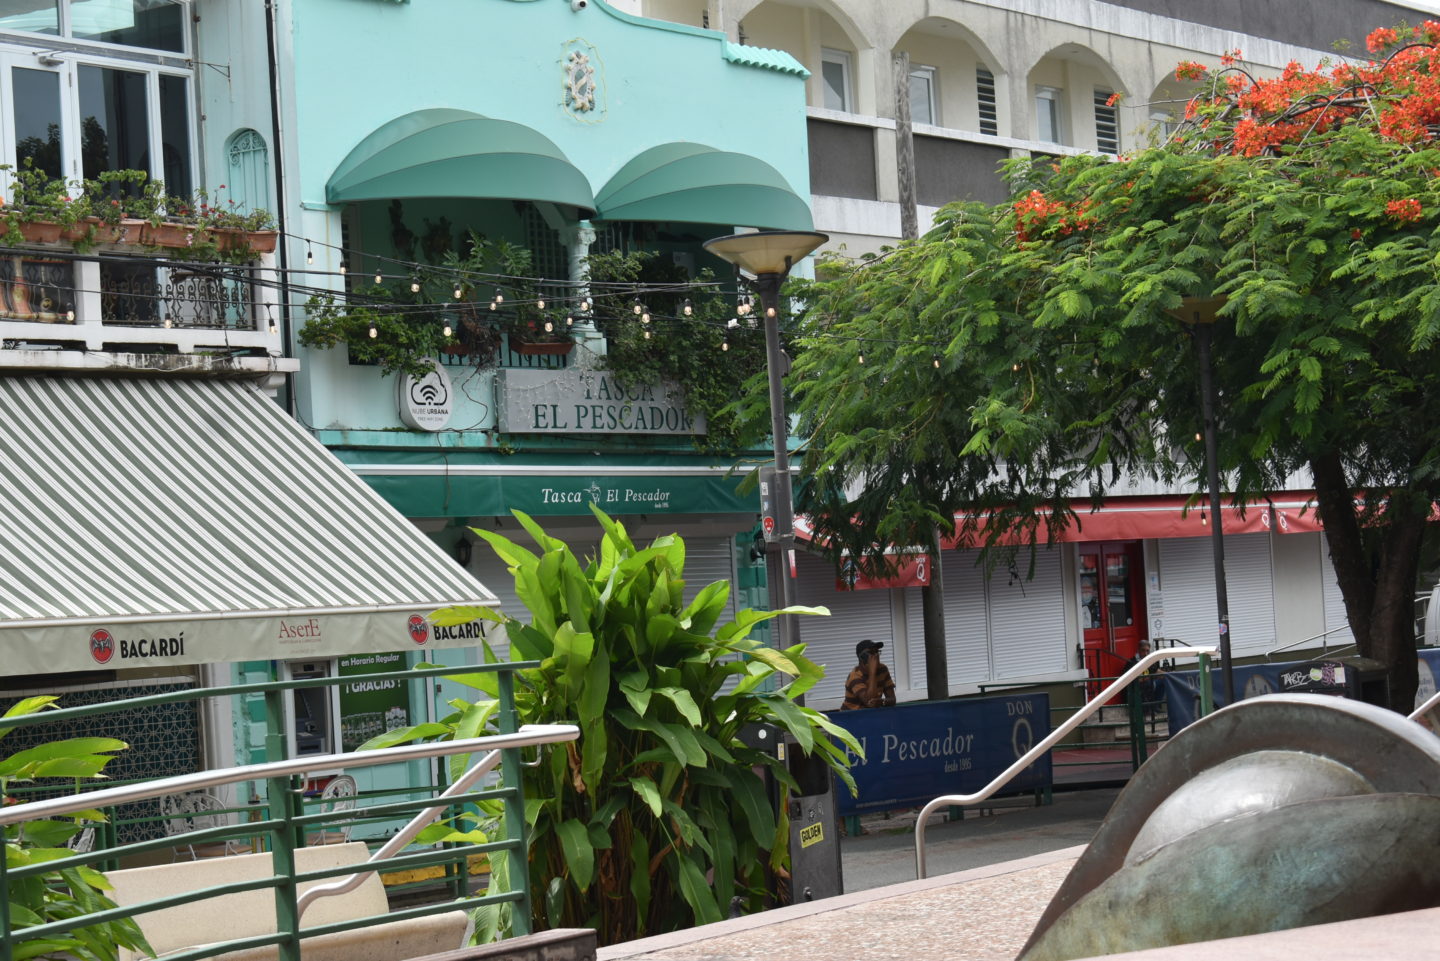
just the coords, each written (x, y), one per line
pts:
(425, 402)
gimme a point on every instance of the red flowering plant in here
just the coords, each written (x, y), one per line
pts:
(1038, 356)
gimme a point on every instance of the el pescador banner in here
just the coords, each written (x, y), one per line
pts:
(575, 401)
(917, 752)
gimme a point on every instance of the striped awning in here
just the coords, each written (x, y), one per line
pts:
(149, 522)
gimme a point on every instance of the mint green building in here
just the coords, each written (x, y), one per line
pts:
(384, 133)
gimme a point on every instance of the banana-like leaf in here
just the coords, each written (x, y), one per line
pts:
(697, 893)
(648, 792)
(464, 614)
(404, 735)
(683, 702)
(746, 619)
(750, 795)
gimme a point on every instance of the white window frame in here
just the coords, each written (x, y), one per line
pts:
(1050, 102)
(840, 58)
(70, 120)
(66, 30)
(930, 77)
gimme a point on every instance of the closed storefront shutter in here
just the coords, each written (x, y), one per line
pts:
(854, 616)
(1188, 575)
(1027, 620)
(1249, 581)
(707, 560)
(1335, 616)
(967, 634)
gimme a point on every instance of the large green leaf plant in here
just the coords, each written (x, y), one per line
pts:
(658, 817)
(66, 892)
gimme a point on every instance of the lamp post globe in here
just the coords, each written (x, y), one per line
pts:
(768, 255)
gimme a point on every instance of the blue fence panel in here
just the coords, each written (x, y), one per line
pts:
(916, 752)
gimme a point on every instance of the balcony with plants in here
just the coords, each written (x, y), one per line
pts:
(98, 268)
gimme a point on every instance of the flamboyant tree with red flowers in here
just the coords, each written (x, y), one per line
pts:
(1024, 355)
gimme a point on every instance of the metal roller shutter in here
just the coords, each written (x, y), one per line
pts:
(1335, 616)
(707, 560)
(1027, 620)
(1188, 575)
(854, 616)
(967, 633)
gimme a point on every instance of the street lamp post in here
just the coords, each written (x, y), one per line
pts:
(768, 256)
(1199, 314)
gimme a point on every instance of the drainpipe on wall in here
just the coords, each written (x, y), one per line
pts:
(282, 254)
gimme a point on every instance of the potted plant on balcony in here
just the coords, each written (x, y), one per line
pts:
(126, 207)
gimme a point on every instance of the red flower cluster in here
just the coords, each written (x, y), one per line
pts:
(1033, 216)
(1190, 70)
(1379, 39)
(1406, 211)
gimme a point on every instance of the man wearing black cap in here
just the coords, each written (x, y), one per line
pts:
(869, 684)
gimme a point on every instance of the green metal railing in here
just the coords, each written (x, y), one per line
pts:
(283, 824)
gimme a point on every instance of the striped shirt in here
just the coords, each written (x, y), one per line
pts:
(855, 688)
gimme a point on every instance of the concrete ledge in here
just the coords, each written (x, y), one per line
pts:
(559, 944)
(1409, 936)
(791, 912)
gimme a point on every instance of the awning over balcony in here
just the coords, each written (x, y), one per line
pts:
(442, 152)
(150, 523)
(696, 184)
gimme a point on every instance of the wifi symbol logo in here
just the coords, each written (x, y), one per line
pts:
(429, 392)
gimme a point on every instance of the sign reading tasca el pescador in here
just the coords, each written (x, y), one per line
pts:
(589, 402)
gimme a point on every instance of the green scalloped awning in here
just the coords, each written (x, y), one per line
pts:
(442, 152)
(696, 184)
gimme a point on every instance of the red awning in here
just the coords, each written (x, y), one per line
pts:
(1159, 517)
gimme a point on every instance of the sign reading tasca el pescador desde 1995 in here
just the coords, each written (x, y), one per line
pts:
(589, 402)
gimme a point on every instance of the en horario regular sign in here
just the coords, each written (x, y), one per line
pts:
(577, 401)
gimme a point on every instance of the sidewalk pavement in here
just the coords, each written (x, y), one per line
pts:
(1005, 861)
(984, 914)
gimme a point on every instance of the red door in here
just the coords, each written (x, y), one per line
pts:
(1112, 605)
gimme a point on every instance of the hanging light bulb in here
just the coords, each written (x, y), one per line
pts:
(1014, 366)
(862, 358)
(458, 292)
(342, 270)
(743, 307)
(569, 321)
(549, 327)
(645, 317)
(448, 330)
(637, 308)
(687, 308)
(414, 285)
(935, 361)
(584, 303)
(378, 279)
(499, 298)
(1197, 437)
(70, 316)
(540, 303)
(724, 345)
(647, 335)
(167, 323)
(374, 331)
(495, 304)
(274, 329)
(770, 312)
(1203, 519)
(309, 254)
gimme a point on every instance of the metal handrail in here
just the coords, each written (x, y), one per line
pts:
(1325, 647)
(529, 734)
(1425, 708)
(276, 772)
(1034, 754)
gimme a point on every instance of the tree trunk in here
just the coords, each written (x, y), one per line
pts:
(932, 606)
(1379, 591)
